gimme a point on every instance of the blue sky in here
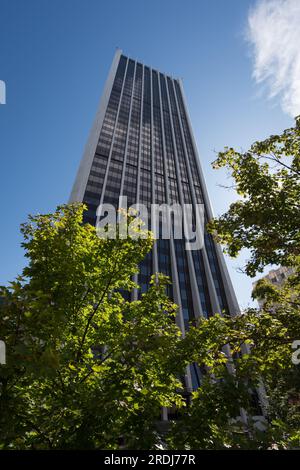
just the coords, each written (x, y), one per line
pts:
(54, 59)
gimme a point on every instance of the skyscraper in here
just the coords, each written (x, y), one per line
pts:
(142, 146)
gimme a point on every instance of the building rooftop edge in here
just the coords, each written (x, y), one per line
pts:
(168, 75)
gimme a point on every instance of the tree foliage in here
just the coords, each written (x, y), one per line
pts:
(249, 366)
(266, 219)
(85, 367)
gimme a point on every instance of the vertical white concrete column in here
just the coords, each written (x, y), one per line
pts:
(83, 172)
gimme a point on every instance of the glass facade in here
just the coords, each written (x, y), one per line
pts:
(145, 150)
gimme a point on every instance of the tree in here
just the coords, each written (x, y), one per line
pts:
(260, 352)
(266, 221)
(85, 367)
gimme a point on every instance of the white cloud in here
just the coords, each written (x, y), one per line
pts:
(274, 33)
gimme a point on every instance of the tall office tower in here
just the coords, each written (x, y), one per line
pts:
(142, 146)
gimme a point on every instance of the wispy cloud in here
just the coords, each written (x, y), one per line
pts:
(274, 33)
